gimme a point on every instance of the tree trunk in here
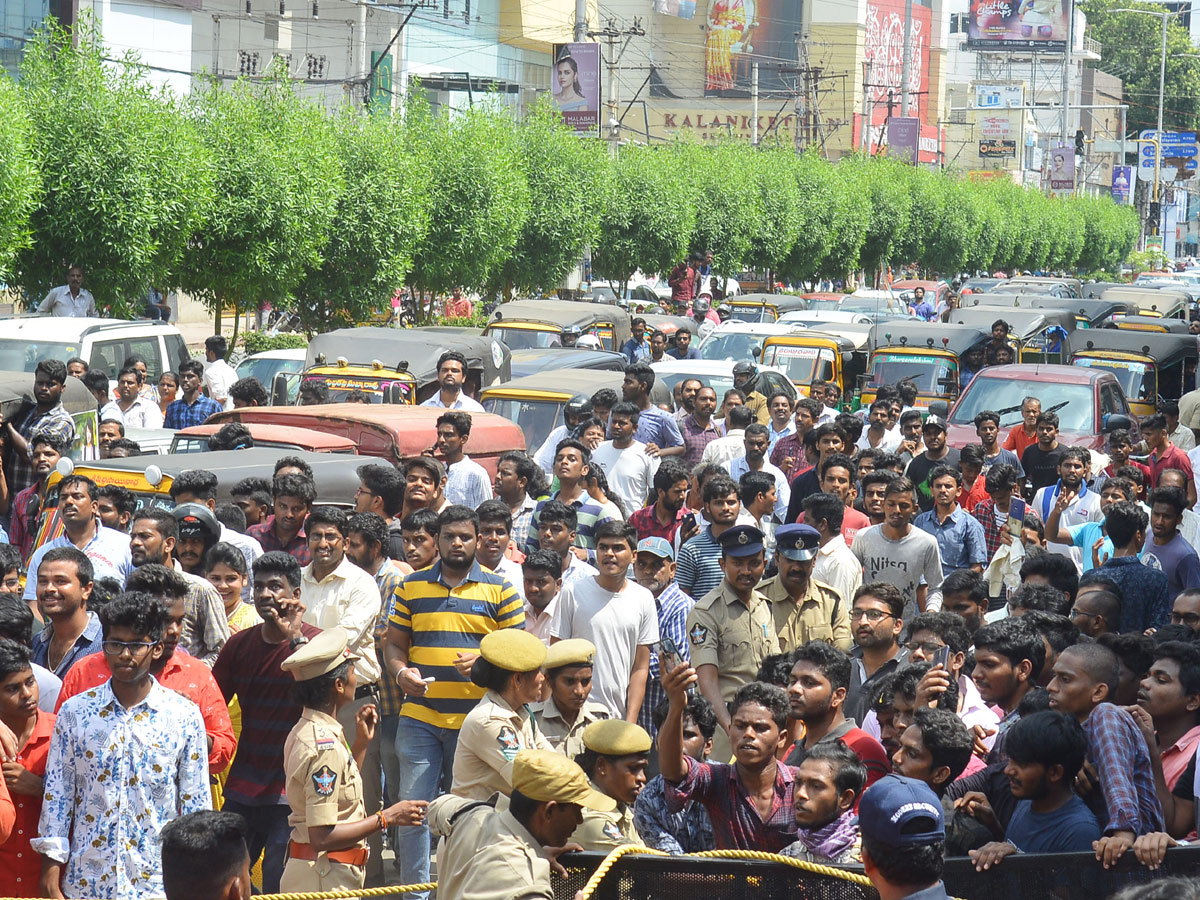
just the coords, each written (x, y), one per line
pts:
(237, 320)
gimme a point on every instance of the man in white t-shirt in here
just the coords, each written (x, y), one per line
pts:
(630, 471)
(219, 375)
(618, 616)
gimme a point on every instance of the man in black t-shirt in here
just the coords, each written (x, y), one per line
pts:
(936, 454)
(1040, 461)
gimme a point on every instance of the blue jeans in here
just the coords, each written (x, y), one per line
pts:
(267, 832)
(426, 758)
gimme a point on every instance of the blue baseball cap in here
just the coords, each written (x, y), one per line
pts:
(901, 812)
(656, 545)
(741, 540)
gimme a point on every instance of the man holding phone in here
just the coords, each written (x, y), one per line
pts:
(654, 569)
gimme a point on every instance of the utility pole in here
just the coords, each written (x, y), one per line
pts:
(754, 104)
(611, 34)
(1066, 79)
(581, 29)
(868, 108)
(906, 60)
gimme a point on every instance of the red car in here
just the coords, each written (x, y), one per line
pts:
(1089, 402)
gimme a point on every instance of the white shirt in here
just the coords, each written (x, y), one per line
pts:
(1183, 438)
(545, 453)
(141, 414)
(890, 441)
(576, 569)
(538, 623)
(513, 572)
(59, 302)
(110, 412)
(218, 379)
(839, 568)
(349, 598)
(617, 624)
(773, 436)
(630, 472)
(738, 467)
(463, 402)
(467, 483)
(725, 450)
(1085, 508)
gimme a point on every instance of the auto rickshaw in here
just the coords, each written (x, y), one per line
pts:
(1165, 303)
(536, 402)
(1093, 289)
(808, 356)
(394, 433)
(399, 365)
(1089, 313)
(668, 325)
(925, 353)
(528, 324)
(763, 307)
(1151, 367)
(1038, 335)
(1153, 324)
(16, 397)
(1059, 287)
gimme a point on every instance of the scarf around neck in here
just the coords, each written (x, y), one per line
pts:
(832, 840)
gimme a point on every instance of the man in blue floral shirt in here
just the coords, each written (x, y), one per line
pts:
(687, 830)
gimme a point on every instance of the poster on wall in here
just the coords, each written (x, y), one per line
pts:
(1018, 24)
(740, 32)
(1122, 183)
(1062, 169)
(903, 137)
(575, 86)
(884, 50)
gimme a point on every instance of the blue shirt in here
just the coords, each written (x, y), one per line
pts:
(676, 353)
(673, 608)
(108, 550)
(657, 426)
(1069, 829)
(783, 492)
(1003, 456)
(1177, 560)
(960, 538)
(1084, 536)
(687, 831)
(635, 351)
(85, 645)
(1147, 602)
(182, 415)
(698, 568)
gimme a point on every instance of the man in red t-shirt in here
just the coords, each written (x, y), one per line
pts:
(820, 679)
(1025, 434)
(1165, 455)
(21, 787)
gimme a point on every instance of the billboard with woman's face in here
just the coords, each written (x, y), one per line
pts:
(575, 86)
(1018, 24)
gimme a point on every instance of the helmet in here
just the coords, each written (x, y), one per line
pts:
(589, 342)
(579, 405)
(623, 303)
(700, 306)
(572, 330)
(197, 520)
(744, 368)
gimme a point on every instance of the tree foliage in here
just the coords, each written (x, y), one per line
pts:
(20, 181)
(127, 179)
(279, 180)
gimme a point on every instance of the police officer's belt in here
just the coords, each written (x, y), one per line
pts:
(354, 857)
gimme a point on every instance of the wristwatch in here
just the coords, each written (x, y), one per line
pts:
(299, 641)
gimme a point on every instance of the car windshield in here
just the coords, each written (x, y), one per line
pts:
(265, 369)
(752, 313)
(1074, 403)
(799, 363)
(526, 338)
(1136, 381)
(732, 345)
(23, 355)
(923, 371)
(537, 418)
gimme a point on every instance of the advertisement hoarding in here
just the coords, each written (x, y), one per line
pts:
(998, 149)
(741, 32)
(1062, 169)
(999, 96)
(1018, 24)
(684, 9)
(575, 85)
(1122, 183)
(903, 137)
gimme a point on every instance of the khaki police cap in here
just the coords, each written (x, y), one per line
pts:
(319, 656)
(572, 652)
(616, 737)
(513, 650)
(544, 775)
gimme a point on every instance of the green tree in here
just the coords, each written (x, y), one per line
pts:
(20, 180)
(729, 212)
(379, 219)
(782, 220)
(885, 191)
(279, 182)
(127, 179)
(568, 180)
(648, 221)
(479, 198)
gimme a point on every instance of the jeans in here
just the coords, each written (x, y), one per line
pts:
(426, 758)
(267, 833)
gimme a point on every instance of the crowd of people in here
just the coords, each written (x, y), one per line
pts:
(759, 626)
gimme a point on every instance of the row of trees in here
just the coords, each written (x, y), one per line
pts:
(245, 194)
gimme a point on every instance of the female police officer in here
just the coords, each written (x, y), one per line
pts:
(328, 849)
(500, 726)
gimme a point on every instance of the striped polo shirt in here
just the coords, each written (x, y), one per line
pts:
(441, 622)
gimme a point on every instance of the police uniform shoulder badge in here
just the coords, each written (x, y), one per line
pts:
(510, 745)
(324, 781)
(612, 832)
(698, 634)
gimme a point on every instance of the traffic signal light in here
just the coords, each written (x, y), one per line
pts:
(1079, 142)
(1155, 212)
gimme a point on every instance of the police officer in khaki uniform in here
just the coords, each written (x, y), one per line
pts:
(804, 609)
(500, 726)
(730, 628)
(491, 854)
(328, 849)
(614, 758)
(564, 715)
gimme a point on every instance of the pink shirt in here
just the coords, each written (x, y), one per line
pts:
(1176, 757)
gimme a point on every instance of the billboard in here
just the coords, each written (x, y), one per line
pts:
(884, 50)
(575, 85)
(741, 32)
(1122, 183)
(998, 149)
(1018, 24)
(903, 137)
(684, 9)
(1062, 169)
